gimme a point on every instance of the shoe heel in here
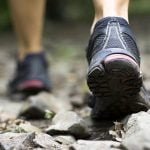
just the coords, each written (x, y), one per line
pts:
(115, 87)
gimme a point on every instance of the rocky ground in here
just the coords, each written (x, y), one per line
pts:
(61, 120)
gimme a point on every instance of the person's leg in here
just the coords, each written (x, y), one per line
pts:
(105, 8)
(31, 75)
(114, 76)
(28, 21)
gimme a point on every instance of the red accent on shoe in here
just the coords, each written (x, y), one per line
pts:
(119, 56)
(30, 84)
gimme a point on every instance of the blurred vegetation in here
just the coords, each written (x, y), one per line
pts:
(71, 11)
(4, 15)
(67, 10)
(140, 7)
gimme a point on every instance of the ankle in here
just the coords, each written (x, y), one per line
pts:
(22, 54)
(110, 8)
(116, 10)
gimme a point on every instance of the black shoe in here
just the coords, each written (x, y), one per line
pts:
(114, 71)
(31, 76)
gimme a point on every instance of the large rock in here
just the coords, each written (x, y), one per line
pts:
(16, 141)
(95, 145)
(138, 141)
(68, 122)
(137, 127)
(37, 106)
(27, 141)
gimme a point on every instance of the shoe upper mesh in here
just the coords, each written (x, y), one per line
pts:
(112, 32)
(114, 39)
(99, 42)
(130, 43)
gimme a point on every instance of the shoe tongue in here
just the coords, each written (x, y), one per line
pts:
(104, 21)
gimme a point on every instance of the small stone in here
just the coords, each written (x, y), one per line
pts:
(65, 147)
(85, 112)
(68, 122)
(137, 131)
(95, 145)
(77, 101)
(46, 141)
(37, 106)
(148, 111)
(5, 117)
(28, 128)
(20, 126)
(65, 140)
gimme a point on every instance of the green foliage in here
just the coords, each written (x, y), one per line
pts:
(79, 10)
(67, 10)
(49, 115)
(140, 7)
(82, 10)
(4, 15)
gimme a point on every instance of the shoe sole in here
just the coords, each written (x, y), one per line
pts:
(116, 85)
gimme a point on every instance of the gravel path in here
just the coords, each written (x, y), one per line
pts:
(64, 119)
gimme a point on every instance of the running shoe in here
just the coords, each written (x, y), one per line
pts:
(114, 75)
